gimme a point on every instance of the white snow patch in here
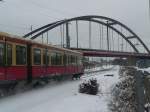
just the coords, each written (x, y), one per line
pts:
(98, 68)
(145, 69)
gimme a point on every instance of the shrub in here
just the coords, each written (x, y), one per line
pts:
(123, 97)
(89, 87)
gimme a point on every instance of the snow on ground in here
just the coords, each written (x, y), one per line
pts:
(145, 69)
(63, 97)
(98, 68)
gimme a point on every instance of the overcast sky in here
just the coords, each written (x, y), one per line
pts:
(16, 16)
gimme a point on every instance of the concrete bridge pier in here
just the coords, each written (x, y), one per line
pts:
(131, 61)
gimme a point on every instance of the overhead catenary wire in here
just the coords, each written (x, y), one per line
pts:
(14, 26)
(51, 9)
(41, 12)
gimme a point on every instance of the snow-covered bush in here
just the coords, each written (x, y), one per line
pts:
(89, 87)
(123, 94)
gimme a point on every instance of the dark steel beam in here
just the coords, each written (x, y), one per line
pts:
(98, 50)
(131, 37)
(112, 23)
(107, 36)
(115, 54)
(41, 28)
(100, 22)
(89, 17)
(124, 26)
(67, 35)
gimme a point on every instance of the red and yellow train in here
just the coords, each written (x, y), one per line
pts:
(22, 59)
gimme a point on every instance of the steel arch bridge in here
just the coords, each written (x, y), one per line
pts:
(105, 21)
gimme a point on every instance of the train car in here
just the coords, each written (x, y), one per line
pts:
(27, 60)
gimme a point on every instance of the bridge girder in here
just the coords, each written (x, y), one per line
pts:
(94, 18)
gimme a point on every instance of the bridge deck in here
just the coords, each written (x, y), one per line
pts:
(105, 53)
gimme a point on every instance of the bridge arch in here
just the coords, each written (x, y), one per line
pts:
(109, 22)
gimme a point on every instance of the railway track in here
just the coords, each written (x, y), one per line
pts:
(89, 73)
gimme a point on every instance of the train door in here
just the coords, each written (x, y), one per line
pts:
(65, 63)
(69, 65)
(29, 63)
(36, 62)
(45, 62)
(2, 61)
(5, 61)
(8, 62)
(76, 65)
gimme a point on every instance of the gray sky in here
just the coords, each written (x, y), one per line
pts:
(18, 15)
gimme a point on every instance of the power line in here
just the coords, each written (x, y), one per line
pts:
(18, 27)
(51, 9)
(39, 11)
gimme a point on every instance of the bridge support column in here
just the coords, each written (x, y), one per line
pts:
(67, 36)
(131, 61)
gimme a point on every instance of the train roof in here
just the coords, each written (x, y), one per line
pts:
(7, 35)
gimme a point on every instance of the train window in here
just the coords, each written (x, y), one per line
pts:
(76, 60)
(73, 59)
(58, 59)
(1, 54)
(69, 59)
(65, 59)
(46, 57)
(79, 60)
(20, 55)
(9, 54)
(53, 58)
(37, 56)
